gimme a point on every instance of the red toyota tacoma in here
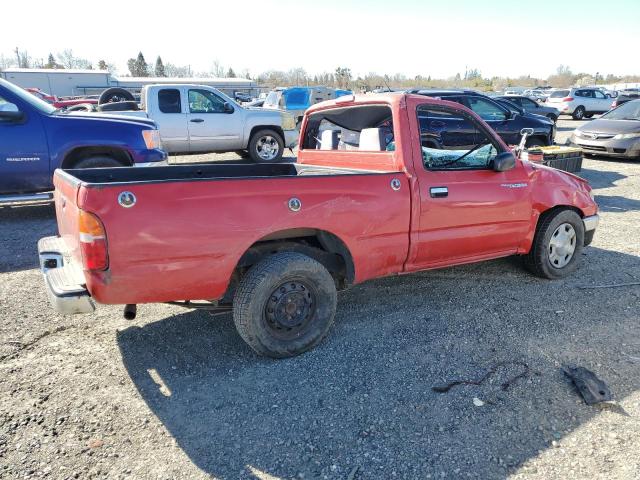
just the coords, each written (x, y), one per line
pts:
(384, 185)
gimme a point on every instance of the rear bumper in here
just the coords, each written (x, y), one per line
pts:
(64, 280)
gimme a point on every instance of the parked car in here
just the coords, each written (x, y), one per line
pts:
(624, 97)
(36, 138)
(296, 100)
(375, 192)
(60, 102)
(201, 119)
(615, 134)
(579, 102)
(507, 124)
(532, 106)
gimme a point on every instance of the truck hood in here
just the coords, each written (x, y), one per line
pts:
(603, 125)
(108, 117)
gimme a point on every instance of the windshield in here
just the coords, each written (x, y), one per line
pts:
(272, 99)
(31, 99)
(626, 111)
(512, 107)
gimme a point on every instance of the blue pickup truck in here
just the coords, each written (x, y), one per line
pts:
(36, 138)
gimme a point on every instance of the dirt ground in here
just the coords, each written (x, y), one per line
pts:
(177, 394)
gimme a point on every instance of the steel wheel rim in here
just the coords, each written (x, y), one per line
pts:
(290, 309)
(267, 147)
(562, 245)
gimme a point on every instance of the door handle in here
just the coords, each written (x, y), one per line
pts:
(439, 192)
(197, 120)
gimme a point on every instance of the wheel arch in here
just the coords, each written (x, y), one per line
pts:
(76, 154)
(321, 245)
(257, 128)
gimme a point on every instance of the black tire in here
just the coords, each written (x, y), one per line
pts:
(118, 107)
(243, 153)
(552, 117)
(81, 107)
(97, 162)
(588, 115)
(578, 113)
(533, 142)
(262, 299)
(539, 259)
(256, 145)
(115, 94)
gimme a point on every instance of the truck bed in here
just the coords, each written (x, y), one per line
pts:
(191, 224)
(175, 173)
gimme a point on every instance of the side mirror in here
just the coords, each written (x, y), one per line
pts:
(228, 108)
(9, 113)
(504, 161)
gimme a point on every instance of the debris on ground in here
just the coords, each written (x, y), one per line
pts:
(526, 372)
(592, 389)
(477, 402)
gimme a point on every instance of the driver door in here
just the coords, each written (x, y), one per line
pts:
(468, 211)
(24, 152)
(211, 127)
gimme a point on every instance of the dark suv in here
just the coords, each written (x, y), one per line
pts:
(506, 123)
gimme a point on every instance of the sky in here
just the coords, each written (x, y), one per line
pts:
(429, 38)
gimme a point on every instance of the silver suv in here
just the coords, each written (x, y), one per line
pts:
(579, 102)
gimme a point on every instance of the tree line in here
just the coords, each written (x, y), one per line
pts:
(341, 77)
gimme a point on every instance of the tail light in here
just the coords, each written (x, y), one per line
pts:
(567, 99)
(93, 242)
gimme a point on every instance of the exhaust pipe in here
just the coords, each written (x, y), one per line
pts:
(130, 310)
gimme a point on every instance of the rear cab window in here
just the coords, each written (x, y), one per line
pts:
(451, 140)
(365, 128)
(169, 100)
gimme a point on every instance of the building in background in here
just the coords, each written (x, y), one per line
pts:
(67, 83)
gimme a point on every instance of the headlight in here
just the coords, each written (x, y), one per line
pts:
(152, 139)
(288, 121)
(620, 136)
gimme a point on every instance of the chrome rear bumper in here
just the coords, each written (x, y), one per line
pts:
(64, 280)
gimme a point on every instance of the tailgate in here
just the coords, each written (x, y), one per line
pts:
(66, 197)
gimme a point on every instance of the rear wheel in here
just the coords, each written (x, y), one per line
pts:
(97, 162)
(285, 305)
(266, 146)
(557, 245)
(578, 113)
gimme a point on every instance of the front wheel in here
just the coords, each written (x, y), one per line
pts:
(552, 117)
(285, 305)
(266, 146)
(557, 245)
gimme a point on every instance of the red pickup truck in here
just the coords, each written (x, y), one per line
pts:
(374, 192)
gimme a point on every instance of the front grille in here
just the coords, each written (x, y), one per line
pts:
(593, 147)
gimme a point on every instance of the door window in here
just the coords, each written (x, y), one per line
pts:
(204, 101)
(440, 154)
(526, 103)
(169, 100)
(486, 110)
(599, 95)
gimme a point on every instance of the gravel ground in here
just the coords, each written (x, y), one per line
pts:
(177, 394)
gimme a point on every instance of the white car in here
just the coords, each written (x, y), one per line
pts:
(579, 102)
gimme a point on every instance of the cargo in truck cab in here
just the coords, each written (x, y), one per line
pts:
(380, 188)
